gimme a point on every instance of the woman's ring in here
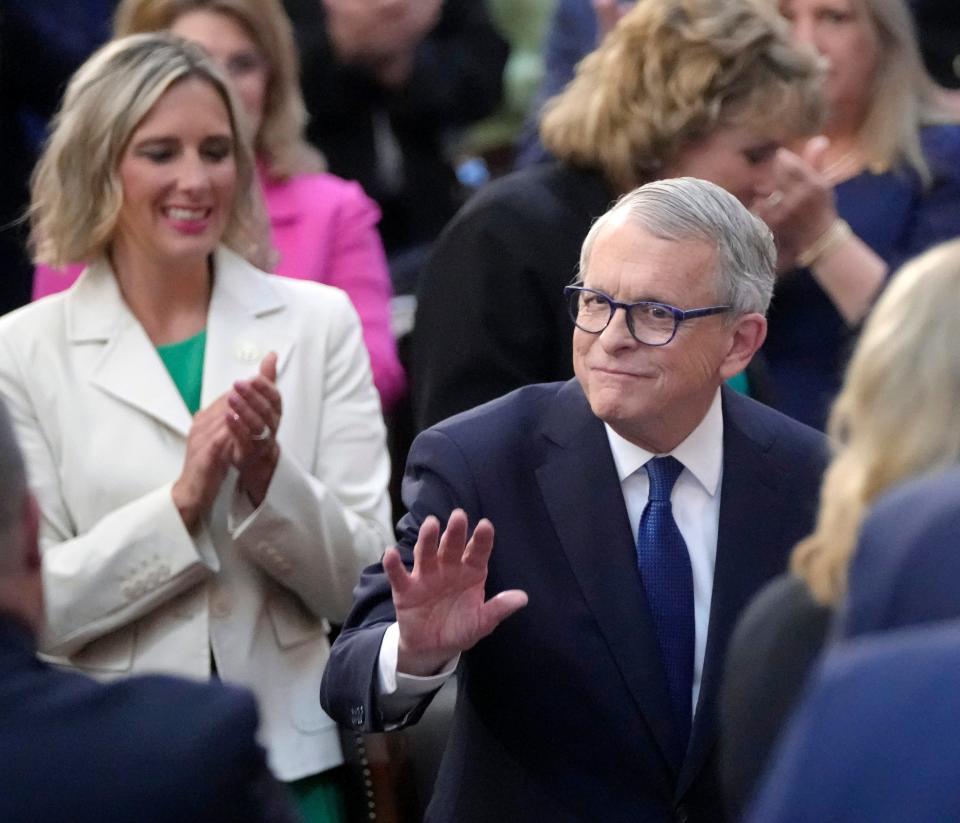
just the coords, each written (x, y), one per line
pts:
(263, 434)
(774, 199)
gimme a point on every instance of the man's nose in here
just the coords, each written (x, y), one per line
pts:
(617, 333)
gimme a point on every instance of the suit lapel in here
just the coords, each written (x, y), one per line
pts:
(245, 322)
(580, 487)
(130, 368)
(749, 507)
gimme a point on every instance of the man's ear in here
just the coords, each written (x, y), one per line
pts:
(747, 335)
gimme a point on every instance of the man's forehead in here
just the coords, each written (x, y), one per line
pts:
(630, 251)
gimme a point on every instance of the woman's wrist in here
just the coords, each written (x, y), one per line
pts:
(255, 478)
(836, 234)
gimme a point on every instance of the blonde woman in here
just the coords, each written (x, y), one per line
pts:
(882, 187)
(706, 88)
(324, 228)
(895, 418)
(204, 440)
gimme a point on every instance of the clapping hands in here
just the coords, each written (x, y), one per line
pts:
(239, 429)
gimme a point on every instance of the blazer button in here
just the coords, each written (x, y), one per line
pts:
(356, 716)
(682, 814)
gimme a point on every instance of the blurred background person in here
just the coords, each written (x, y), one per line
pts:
(876, 737)
(64, 32)
(215, 479)
(906, 568)
(895, 418)
(72, 749)
(324, 228)
(386, 82)
(883, 189)
(576, 29)
(706, 88)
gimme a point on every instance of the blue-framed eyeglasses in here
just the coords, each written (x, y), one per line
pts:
(653, 324)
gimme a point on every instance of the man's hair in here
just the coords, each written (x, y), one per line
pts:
(686, 208)
(13, 488)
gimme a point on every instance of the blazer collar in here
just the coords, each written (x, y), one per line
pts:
(243, 324)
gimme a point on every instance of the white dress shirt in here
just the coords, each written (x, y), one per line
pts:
(696, 509)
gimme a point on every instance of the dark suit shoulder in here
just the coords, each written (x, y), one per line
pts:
(771, 653)
(785, 440)
(505, 418)
(551, 193)
(148, 749)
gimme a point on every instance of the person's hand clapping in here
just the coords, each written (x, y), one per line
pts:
(209, 452)
(253, 417)
(440, 604)
(799, 207)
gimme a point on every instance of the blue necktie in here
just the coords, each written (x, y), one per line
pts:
(668, 581)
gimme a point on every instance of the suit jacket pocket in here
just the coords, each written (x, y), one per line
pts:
(292, 623)
(110, 654)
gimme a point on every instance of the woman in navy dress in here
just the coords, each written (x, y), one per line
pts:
(847, 210)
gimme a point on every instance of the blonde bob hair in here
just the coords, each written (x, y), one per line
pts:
(672, 72)
(280, 141)
(896, 415)
(76, 192)
(903, 97)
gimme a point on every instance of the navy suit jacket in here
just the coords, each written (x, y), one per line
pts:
(876, 738)
(907, 563)
(563, 712)
(140, 750)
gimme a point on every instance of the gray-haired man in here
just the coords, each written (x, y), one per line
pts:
(636, 508)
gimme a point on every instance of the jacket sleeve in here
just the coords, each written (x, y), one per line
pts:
(436, 481)
(319, 526)
(133, 559)
(358, 265)
(484, 323)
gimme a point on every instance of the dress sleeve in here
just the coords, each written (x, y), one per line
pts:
(358, 265)
(47, 280)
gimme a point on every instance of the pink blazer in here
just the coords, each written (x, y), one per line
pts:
(324, 229)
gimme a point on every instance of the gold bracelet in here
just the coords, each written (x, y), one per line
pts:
(828, 241)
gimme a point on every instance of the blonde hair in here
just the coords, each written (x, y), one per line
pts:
(280, 140)
(76, 193)
(896, 415)
(904, 97)
(670, 73)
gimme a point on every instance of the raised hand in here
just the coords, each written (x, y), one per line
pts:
(799, 206)
(209, 450)
(252, 418)
(440, 604)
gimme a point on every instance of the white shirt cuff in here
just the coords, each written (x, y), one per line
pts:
(399, 693)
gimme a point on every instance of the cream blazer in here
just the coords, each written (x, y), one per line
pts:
(104, 429)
